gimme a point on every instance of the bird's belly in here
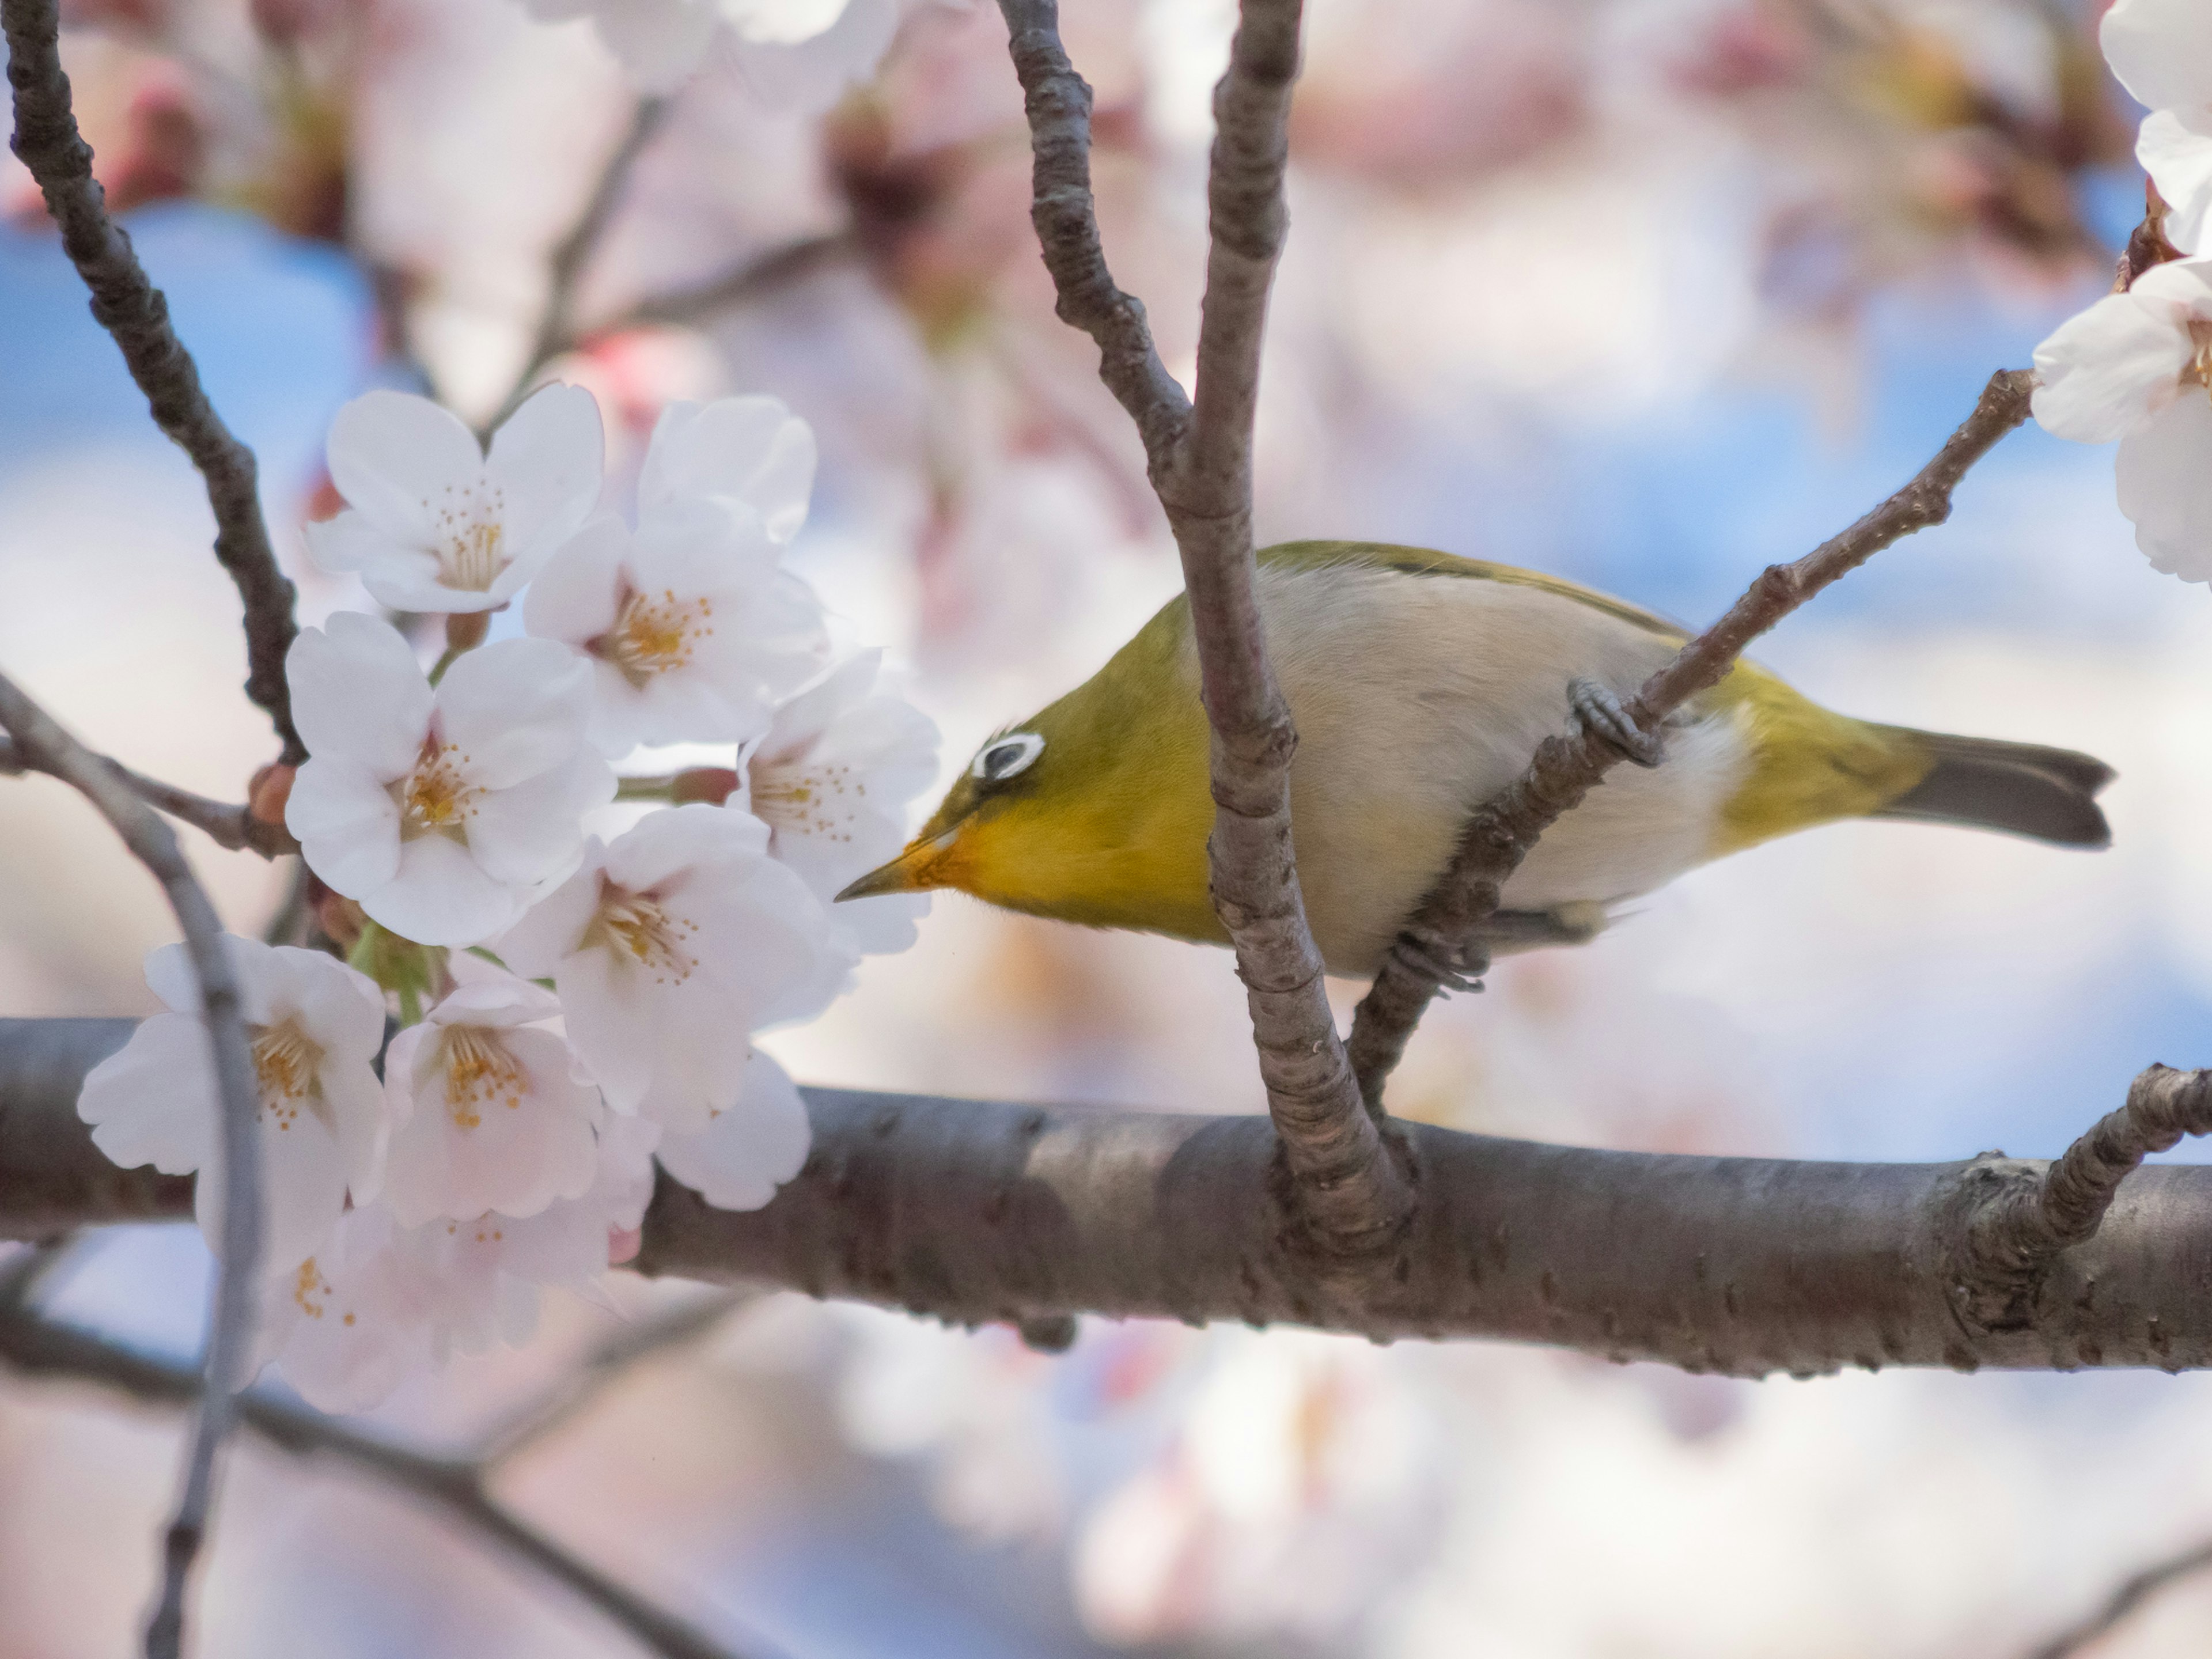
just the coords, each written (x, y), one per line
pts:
(1365, 875)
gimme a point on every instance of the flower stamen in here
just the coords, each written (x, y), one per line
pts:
(479, 1073)
(652, 635)
(472, 542)
(636, 925)
(285, 1062)
(437, 798)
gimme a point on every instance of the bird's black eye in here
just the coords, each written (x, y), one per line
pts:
(1001, 760)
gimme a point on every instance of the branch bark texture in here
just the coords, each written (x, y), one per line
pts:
(231, 827)
(230, 1332)
(977, 1212)
(1350, 1189)
(1566, 767)
(137, 315)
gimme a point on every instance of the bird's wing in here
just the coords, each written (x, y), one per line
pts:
(1427, 562)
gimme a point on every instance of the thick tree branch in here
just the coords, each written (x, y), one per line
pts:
(234, 828)
(38, 1348)
(977, 1213)
(1351, 1193)
(43, 743)
(1567, 768)
(132, 310)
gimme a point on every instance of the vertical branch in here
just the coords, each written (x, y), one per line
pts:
(1566, 767)
(1345, 1189)
(230, 1336)
(133, 311)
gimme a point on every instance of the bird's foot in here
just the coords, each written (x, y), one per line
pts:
(1602, 716)
(1437, 959)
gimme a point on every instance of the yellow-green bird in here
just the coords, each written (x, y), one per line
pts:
(1421, 683)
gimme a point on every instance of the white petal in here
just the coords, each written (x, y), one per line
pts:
(303, 1187)
(514, 708)
(812, 74)
(576, 596)
(340, 1008)
(519, 1151)
(608, 1026)
(387, 565)
(358, 692)
(663, 844)
(391, 454)
(2161, 51)
(554, 926)
(781, 23)
(697, 1044)
(534, 832)
(2165, 487)
(153, 1100)
(2104, 372)
(347, 823)
(441, 896)
(170, 976)
(2176, 151)
(739, 1160)
(501, 1001)
(752, 448)
(547, 460)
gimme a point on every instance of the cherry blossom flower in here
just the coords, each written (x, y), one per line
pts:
(668, 948)
(441, 811)
(350, 1323)
(752, 450)
(2161, 51)
(434, 524)
(691, 627)
(488, 1114)
(832, 779)
(314, 1025)
(2136, 367)
(751, 1147)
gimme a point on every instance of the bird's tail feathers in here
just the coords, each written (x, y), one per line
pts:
(2019, 788)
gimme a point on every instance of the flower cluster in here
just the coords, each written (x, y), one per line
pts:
(2137, 365)
(569, 1008)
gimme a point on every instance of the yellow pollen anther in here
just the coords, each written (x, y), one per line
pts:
(309, 1287)
(437, 797)
(479, 1073)
(635, 925)
(284, 1062)
(651, 636)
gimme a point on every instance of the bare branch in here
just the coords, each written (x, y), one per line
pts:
(1352, 1194)
(1567, 768)
(2123, 1601)
(978, 1213)
(1057, 102)
(234, 828)
(754, 280)
(40, 1347)
(669, 1329)
(569, 257)
(132, 310)
(230, 1335)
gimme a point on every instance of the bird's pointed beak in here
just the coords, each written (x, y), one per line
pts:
(914, 871)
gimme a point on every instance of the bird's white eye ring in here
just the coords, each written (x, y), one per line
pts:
(1003, 758)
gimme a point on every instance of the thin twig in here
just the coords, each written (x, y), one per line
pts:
(230, 1336)
(135, 312)
(232, 828)
(39, 1346)
(753, 280)
(2132, 1595)
(565, 266)
(668, 1328)
(1565, 769)
(1345, 1191)
(2023, 1229)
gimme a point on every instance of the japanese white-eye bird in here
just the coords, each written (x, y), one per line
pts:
(1421, 683)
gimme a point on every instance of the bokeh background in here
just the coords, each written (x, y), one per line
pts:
(1646, 293)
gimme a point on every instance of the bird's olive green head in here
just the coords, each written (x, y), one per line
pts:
(1094, 810)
